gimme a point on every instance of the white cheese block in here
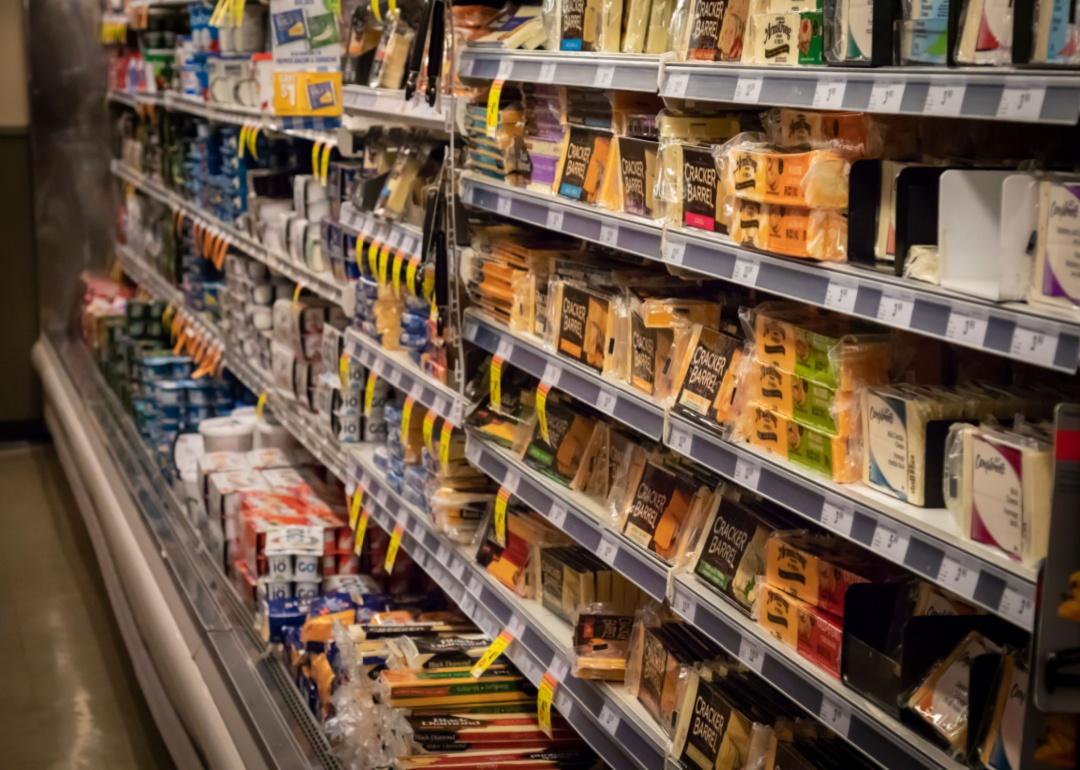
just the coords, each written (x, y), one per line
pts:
(1057, 249)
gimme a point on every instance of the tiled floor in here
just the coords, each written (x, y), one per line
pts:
(69, 697)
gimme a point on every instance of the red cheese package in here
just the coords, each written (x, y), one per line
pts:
(815, 634)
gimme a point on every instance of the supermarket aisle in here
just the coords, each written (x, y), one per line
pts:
(70, 698)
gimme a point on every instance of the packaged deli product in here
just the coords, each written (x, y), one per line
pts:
(792, 231)
(813, 633)
(836, 457)
(757, 171)
(705, 377)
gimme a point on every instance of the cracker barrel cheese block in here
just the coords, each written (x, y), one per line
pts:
(705, 29)
(583, 319)
(663, 508)
(732, 552)
(637, 175)
(582, 164)
(710, 733)
(705, 383)
(702, 200)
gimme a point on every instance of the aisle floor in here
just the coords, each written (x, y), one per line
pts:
(70, 697)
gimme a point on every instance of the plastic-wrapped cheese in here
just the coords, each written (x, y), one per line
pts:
(803, 400)
(833, 456)
(792, 231)
(1057, 248)
(814, 179)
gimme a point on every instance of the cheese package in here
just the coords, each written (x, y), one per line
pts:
(853, 133)
(732, 30)
(1056, 33)
(1003, 740)
(833, 456)
(601, 642)
(798, 398)
(665, 655)
(702, 194)
(849, 31)
(706, 375)
(790, 230)
(519, 27)
(583, 163)
(665, 509)
(635, 182)
(568, 434)
(731, 553)
(924, 41)
(986, 28)
(651, 347)
(819, 568)
(696, 132)
(636, 27)
(581, 322)
(416, 689)
(703, 32)
(590, 25)
(810, 631)
(941, 700)
(995, 483)
(1057, 248)
(814, 179)
(711, 732)
(793, 38)
(659, 34)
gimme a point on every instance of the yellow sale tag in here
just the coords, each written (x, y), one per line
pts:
(324, 169)
(392, 549)
(444, 445)
(354, 508)
(495, 385)
(373, 258)
(369, 392)
(296, 294)
(406, 418)
(361, 530)
(492, 654)
(545, 694)
(360, 253)
(244, 129)
(395, 271)
(343, 370)
(429, 430)
(501, 501)
(384, 264)
(253, 141)
(410, 275)
(260, 406)
(541, 410)
(316, 149)
(429, 285)
(494, 97)
(376, 12)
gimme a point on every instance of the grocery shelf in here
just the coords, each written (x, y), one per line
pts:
(386, 104)
(397, 236)
(397, 368)
(881, 737)
(134, 100)
(611, 398)
(254, 700)
(240, 115)
(1041, 336)
(146, 276)
(617, 72)
(986, 93)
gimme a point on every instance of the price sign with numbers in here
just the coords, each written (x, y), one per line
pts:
(676, 85)
(457, 569)
(680, 440)
(511, 481)
(944, 99)
(751, 654)
(1016, 607)
(829, 94)
(838, 516)
(841, 295)
(505, 349)
(557, 514)
(516, 626)
(1021, 102)
(608, 549)
(896, 308)
(957, 577)
(684, 605)
(674, 251)
(835, 714)
(502, 205)
(968, 327)
(745, 271)
(605, 74)
(886, 97)
(747, 473)
(890, 542)
(547, 72)
(609, 235)
(554, 219)
(559, 667)
(552, 374)
(748, 89)
(563, 702)
(416, 391)
(605, 401)
(1034, 346)
(609, 720)
(506, 66)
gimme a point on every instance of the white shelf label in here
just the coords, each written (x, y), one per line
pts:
(946, 99)
(604, 75)
(680, 440)
(505, 349)
(552, 374)
(748, 89)
(475, 585)
(557, 514)
(747, 473)
(441, 406)
(890, 542)
(511, 481)
(516, 627)
(609, 720)
(958, 578)
(468, 606)
(416, 391)
(966, 327)
(559, 667)
(473, 450)
(676, 85)
(554, 219)
(605, 401)
(563, 702)
(841, 295)
(683, 605)
(506, 66)
(751, 654)
(530, 667)
(609, 235)
(886, 97)
(1019, 609)
(838, 516)
(607, 550)
(896, 308)
(502, 205)
(547, 72)
(829, 94)
(745, 271)
(674, 251)
(835, 714)
(1021, 102)
(394, 377)
(443, 554)
(1034, 346)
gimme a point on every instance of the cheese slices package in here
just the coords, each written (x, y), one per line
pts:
(995, 483)
(756, 171)
(710, 731)
(792, 38)
(1057, 247)
(941, 700)
(810, 631)
(706, 376)
(986, 28)
(1056, 38)
(834, 456)
(792, 231)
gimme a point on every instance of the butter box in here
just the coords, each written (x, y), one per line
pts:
(836, 457)
(811, 632)
(816, 568)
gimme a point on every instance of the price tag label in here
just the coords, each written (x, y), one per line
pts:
(468, 606)
(552, 374)
(684, 605)
(890, 542)
(559, 668)
(506, 67)
(516, 626)
(443, 553)
(442, 405)
(1017, 608)
(557, 514)
(680, 440)
(609, 720)
(747, 473)
(475, 585)
(835, 714)
(946, 99)
(547, 72)
(829, 94)
(607, 550)
(563, 702)
(473, 450)
(505, 349)
(492, 653)
(841, 295)
(1021, 102)
(502, 205)
(605, 401)
(609, 235)
(605, 74)
(1034, 346)
(896, 308)
(674, 252)
(554, 219)
(966, 326)
(457, 569)
(416, 391)
(886, 97)
(748, 89)
(751, 654)
(511, 481)
(676, 85)
(394, 377)
(745, 271)
(838, 516)
(957, 577)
